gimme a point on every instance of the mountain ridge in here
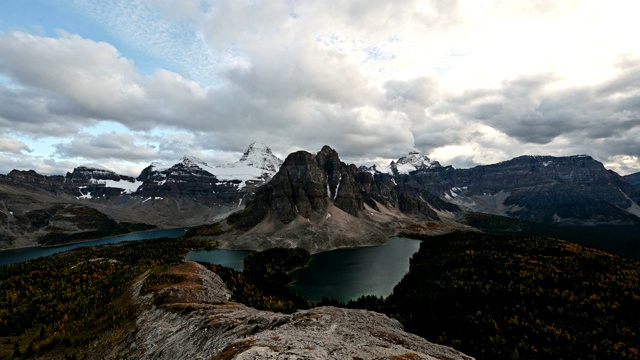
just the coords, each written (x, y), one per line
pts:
(321, 199)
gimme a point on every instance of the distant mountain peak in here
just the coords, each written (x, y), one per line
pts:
(259, 155)
(189, 160)
(413, 161)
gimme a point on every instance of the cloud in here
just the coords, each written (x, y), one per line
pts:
(467, 83)
(112, 146)
(12, 145)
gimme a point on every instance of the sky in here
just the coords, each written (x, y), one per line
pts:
(122, 83)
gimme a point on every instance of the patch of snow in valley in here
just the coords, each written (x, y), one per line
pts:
(243, 173)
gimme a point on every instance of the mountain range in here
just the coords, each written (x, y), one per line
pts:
(311, 200)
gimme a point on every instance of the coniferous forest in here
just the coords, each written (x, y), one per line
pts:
(491, 296)
(518, 297)
(66, 300)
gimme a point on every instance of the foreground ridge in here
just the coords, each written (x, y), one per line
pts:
(195, 319)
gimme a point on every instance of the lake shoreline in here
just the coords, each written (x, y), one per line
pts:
(84, 241)
(26, 253)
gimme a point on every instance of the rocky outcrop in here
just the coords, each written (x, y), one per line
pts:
(318, 202)
(198, 322)
(90, 182)
(307, 184)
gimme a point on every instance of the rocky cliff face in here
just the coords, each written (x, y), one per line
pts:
(306, 184)
(318, 202)
(194, 319)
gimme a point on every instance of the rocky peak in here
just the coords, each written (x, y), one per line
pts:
(88, 182)
(305, 186)
(308, 186)
(85, 172)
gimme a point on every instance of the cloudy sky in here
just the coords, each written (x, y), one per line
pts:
(122, 83)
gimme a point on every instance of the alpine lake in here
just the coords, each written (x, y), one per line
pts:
(342, 274)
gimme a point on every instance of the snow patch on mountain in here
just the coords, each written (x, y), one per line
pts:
(192, 161)
(127, 186)
(242, 173)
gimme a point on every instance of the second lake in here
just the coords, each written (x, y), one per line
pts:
(343, 274)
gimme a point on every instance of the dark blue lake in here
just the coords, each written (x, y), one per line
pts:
(343, 274)
(18, 255)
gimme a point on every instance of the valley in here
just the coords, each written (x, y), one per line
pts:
(492, 234)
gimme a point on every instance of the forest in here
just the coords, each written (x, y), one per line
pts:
(492, 296)
(518, 297)
(263, 282)
(615, 239)
(66, 300)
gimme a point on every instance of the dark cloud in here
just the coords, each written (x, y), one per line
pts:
(526, 109)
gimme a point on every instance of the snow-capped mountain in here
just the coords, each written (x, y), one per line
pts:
(257, 165)
(258, 155)
(411, 162)
(89, 181)
(555, 190)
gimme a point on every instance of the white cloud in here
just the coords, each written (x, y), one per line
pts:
(465, 82)
(11, 145)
